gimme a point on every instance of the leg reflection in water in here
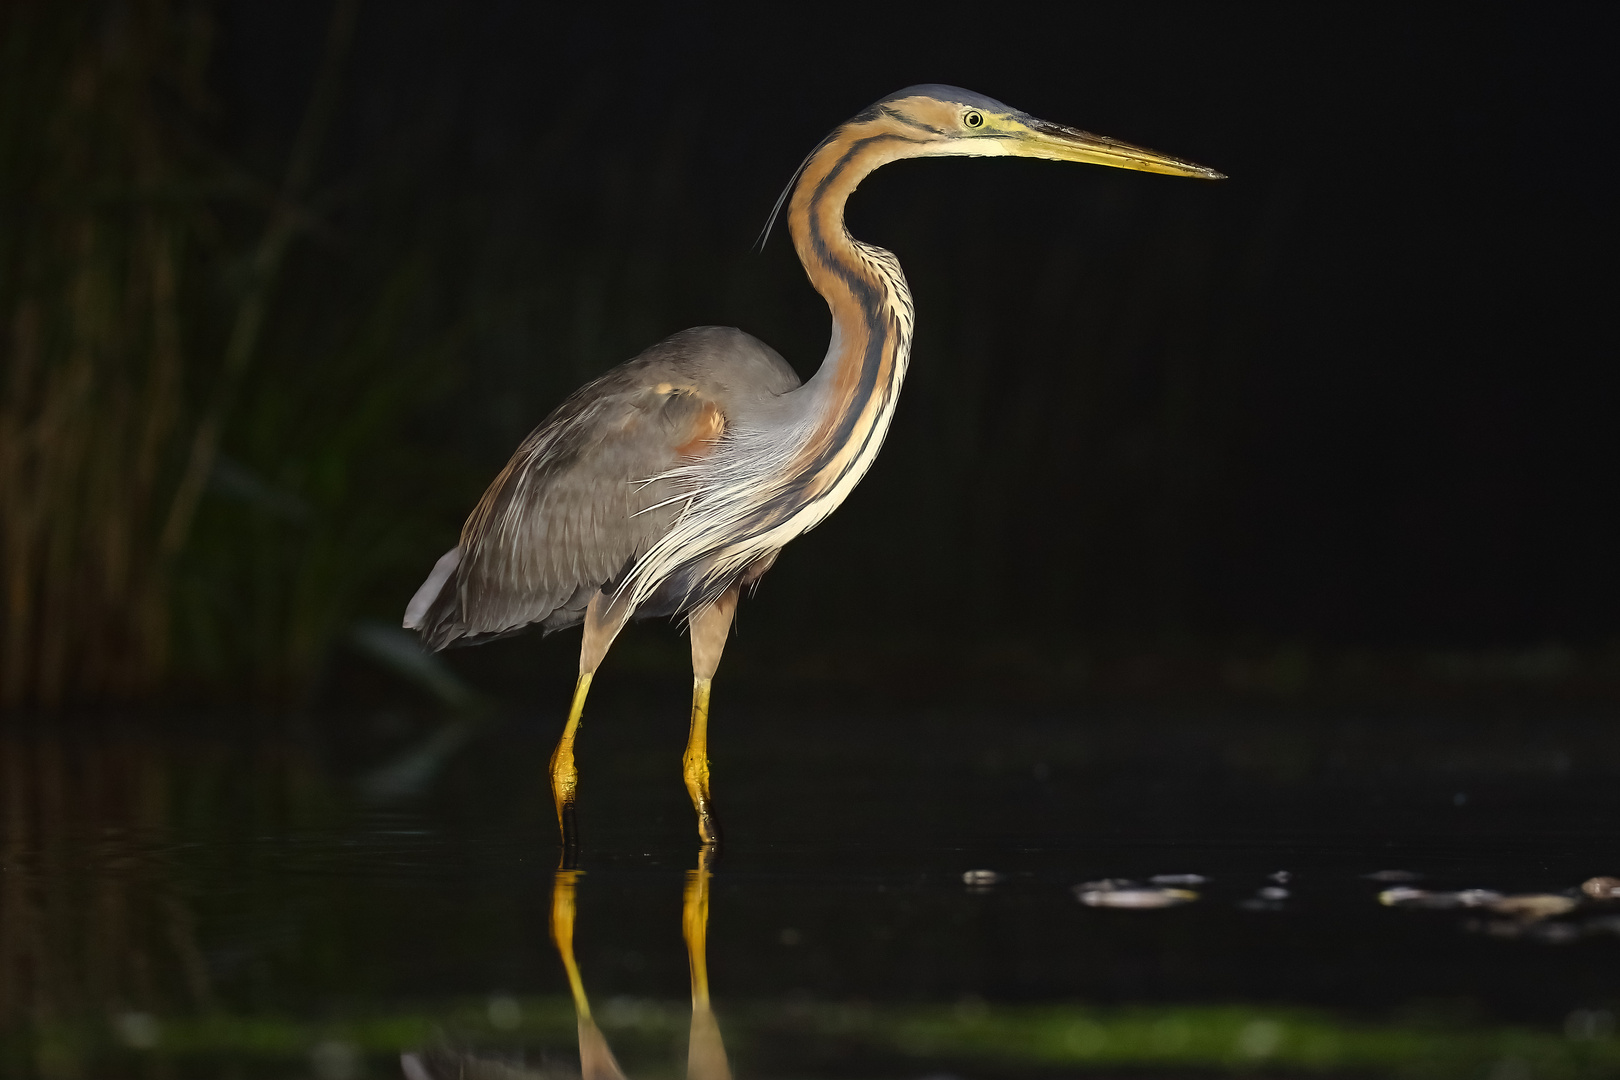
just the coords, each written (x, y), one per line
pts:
(595, 1059)
(706, 1054)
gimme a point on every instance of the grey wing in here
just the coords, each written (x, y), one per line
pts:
(581, 498)
(578, 502)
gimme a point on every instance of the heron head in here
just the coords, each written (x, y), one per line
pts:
(947, 120)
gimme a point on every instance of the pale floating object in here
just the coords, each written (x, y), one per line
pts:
(1139, 898)
(1533, 907)
(1602, 888)
(1178, 879)
(1408, 897)
(980, 877)
(1527, 907)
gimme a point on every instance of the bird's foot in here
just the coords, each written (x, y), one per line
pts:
(695, 767)
(568, 827)
(708, 824)
(564, 794)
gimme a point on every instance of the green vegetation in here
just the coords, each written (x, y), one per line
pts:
(791, 1038)
(194, 487)
(103, 227)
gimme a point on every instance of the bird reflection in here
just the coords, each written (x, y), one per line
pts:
(706, 1053)
(596, 1061)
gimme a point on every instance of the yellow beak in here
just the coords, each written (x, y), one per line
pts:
(1058, 143)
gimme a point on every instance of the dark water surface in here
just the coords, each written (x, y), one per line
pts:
(236, 896)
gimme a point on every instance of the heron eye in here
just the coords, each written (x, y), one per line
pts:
(973, 119)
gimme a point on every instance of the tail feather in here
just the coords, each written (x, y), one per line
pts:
(435, 601)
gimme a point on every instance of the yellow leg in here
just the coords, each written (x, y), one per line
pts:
(706, 1053)
(564, 773)
(709, 627)
(604, 618)
(695, 763)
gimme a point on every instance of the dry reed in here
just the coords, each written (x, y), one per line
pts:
(114, 399)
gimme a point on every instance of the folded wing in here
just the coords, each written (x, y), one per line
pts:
(578, 502)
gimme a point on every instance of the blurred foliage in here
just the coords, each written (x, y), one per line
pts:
(792, 1039)
(103, 219)
(318, 501)
(196, 489)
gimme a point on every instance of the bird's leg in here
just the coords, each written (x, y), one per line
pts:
(595, 1059)
(706, 1054)
(709, 627)
(604, 618)
(564, 773)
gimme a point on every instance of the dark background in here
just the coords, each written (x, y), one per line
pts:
(1360, 390)
(1325, 448)
(1358, 396)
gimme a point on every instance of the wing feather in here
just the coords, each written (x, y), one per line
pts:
(582, 498)
(578, 502)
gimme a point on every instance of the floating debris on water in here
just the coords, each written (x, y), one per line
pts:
(1141, 899)
(1125, 894)
(1533, 907)
(1407, 897)
(1178, 879)
(1269, 898)
(1527, 907)
(1280, 877)
(980, 878)
(1602, 888)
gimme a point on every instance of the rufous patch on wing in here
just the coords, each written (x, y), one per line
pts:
(706, 428)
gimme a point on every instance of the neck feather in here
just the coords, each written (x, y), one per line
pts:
(854, 391)
(749, 503)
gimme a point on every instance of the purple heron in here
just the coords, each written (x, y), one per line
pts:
(671, 482)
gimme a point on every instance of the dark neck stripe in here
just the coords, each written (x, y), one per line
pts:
(833, 263)
(854, 277)
(867, 294)
(901, 118)
(848, 155)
